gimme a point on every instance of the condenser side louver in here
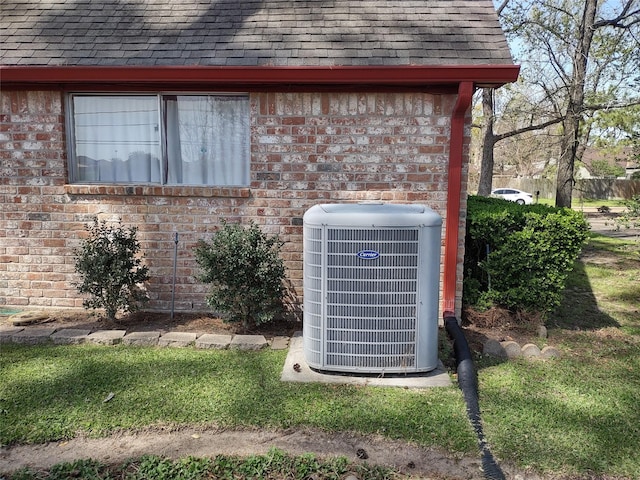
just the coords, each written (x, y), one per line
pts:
(371, 286)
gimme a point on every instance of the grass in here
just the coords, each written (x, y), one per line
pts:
(57, 392)
(577, 416)
(566, 417)
(585, 202)
(594, 202)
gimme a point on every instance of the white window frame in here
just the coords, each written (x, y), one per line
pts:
(162, 125)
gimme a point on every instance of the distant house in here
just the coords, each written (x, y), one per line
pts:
(175, 115)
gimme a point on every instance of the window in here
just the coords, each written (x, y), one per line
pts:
(160, 139)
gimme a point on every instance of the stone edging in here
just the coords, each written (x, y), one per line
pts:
(69, 336)
(510, 350)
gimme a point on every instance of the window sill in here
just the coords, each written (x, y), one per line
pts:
(156, 190)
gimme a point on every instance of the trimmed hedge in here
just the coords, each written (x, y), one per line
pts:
(519, 256)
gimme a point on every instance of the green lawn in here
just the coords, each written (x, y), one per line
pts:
(57, 392)
(585, 202)
(578, 415)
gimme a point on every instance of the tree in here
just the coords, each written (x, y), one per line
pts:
(576, 90)
(602, 168)
(517, 117)
(578, 57)
(488, 143)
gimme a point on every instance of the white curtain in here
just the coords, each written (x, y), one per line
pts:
(117, 139)
(207, 140)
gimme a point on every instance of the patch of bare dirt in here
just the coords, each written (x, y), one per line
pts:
(499, 324)
(410, 459)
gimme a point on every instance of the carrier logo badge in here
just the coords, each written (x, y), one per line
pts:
(368, 254)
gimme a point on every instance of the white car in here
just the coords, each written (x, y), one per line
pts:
(513, 195)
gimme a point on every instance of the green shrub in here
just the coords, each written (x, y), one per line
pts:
(244, 267)
(518, 257)
(111, 268)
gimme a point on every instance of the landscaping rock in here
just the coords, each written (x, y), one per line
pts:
(550, 352)
(6, 333)
(280, 343)
(106, 337)
(146, 339)
(177, 339)
(70, 336)
(249, 342)
(494, 348)
(512, 349)
(530, 350)
(33, 336)
(542, 331)
(28, 318)
(215, 341)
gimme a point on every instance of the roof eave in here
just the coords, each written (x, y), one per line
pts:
(257, 76)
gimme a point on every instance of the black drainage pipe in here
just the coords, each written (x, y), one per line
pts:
(468, 383)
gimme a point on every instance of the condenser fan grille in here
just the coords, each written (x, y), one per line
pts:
(376, 296)
(313, 294)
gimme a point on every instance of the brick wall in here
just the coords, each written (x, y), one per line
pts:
(306, 148)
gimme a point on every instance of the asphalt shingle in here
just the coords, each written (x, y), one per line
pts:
(252, 32)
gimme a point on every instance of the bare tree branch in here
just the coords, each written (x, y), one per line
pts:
(609, 106)
(618, 22)
(502, 7)
(530, 128)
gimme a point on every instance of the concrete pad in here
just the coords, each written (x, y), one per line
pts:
(106, 337)
(280, 343)
(212, 340)
(147, 339)
(70, 336)
(435, 378)
(177, 339)
(6, 333)
(248, 342)
(33, 336)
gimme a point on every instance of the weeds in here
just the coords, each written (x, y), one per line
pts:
(276, 464)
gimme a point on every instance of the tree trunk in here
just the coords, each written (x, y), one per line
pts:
(488, 143)
(566, 162)
(570, 135)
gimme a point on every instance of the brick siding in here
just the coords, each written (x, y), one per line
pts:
(306, 148)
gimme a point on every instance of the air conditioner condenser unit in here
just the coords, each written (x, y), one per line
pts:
(371, 287)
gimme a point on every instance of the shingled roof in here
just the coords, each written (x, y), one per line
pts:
(251, 33)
